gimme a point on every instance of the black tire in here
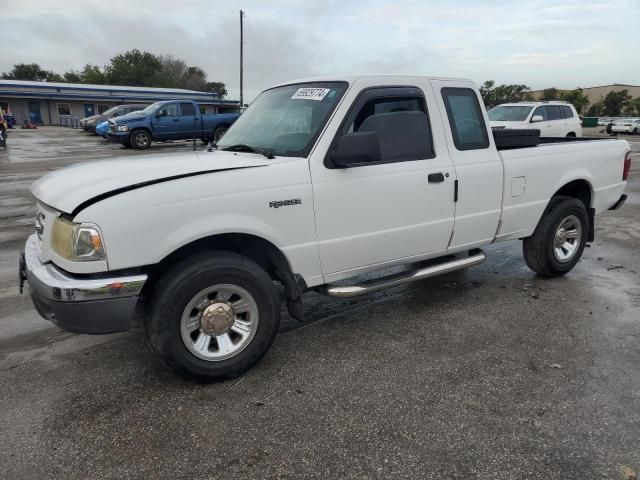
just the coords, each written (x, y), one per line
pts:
(126, 142)
(635, 131)
(181, 284)
(571, 135)
(219, 132)
(540, 250)
(140, 139)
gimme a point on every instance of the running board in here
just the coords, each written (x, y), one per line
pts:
(475, 257)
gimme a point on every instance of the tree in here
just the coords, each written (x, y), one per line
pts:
(72, 76)
(576, 97)
(614, 102)
(492, 95)
(194, 78)
(31, 71)
(549, 94)
(596, 110)
(92, 74)
(218, 88)
(635, 106)
(133, 68)
(171, 73)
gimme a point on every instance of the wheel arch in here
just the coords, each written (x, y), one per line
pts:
(580, 189)
(267, 255)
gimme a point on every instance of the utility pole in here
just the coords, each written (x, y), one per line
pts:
(241, 60)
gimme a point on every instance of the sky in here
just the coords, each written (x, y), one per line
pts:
(539, 43)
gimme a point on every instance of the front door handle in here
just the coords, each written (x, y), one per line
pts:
(436, 177)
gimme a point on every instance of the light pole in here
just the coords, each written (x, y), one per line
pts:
(241, 60)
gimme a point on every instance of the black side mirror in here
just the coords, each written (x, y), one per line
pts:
(355, 149)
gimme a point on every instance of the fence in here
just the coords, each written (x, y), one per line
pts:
(70, 121)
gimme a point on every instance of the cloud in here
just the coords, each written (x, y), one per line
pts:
(520, 41)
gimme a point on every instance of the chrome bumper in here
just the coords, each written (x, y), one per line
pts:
(92, 304)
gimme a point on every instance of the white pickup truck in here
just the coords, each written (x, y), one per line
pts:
(319, 181)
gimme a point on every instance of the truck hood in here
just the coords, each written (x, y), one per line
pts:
(78, 185)
(135, 117)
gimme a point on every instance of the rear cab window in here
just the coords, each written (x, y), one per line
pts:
(187, 109)
(465, 118)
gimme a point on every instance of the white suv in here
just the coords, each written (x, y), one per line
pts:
(553, 119)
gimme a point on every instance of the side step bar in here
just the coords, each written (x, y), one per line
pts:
(475, 258)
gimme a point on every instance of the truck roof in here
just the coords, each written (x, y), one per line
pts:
(535, 104)
(371, 77)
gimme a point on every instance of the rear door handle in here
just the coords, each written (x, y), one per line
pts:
(436, 177)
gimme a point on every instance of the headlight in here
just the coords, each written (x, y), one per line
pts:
(123, 128)
(77, 242)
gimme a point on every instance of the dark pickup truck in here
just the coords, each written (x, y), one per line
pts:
(169, 120)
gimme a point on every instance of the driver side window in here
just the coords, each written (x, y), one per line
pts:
(170, 110)
(401, 124)
(465, 118)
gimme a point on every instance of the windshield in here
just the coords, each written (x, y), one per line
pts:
(110, 111)
(285, 120)
(509, 113)
(150, 108)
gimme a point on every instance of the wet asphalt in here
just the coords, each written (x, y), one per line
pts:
(488, 373)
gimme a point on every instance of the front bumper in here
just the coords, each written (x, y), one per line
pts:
(90, 304)
(118, 137)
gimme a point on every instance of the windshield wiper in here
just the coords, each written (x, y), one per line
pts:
(241, 147)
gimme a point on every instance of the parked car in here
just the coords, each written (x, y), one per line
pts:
(169, 120)
(627, 125)
(317, 182)
(102, 128)
(90, 123)
(553, 119)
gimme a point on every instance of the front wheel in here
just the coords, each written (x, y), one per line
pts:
(140, 139)
(213, 316)
(559, 239)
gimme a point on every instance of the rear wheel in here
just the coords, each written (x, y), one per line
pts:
(571, 134)
(218, 133)
(213, 316)
(140, 139)
(559, 239)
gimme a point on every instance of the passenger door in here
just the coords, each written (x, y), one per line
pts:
(164, 122)
(394, 210)
(545, 126)
(477, 164)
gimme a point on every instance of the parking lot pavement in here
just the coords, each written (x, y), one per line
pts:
(489, 373)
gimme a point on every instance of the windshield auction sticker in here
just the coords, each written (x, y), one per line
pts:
(311, 93)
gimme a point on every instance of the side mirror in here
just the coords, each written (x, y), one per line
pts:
(537, 118)
(161, 113)
(355, 149)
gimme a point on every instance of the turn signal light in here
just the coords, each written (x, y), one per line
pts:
(627, 166)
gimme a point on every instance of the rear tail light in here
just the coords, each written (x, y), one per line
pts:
(627, 166)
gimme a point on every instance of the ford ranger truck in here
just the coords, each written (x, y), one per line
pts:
(318, 182)
(169, 120)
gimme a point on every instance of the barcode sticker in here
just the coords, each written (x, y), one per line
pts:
(311, 93)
